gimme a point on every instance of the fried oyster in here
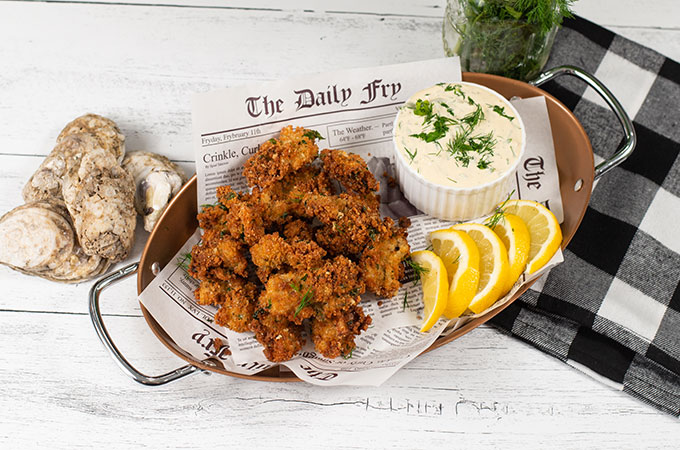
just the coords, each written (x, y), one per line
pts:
(311, 231)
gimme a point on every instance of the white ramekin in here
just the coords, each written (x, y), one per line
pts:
(451, 203)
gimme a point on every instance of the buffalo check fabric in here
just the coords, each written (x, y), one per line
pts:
(613, 308)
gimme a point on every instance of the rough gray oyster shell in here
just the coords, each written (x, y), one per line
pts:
(157, 180)
(38, 239)
(99, 195)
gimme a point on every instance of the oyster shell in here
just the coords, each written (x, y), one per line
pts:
(104, 130)
(35, 237)
(157, 180)
(38, 239)
(99, 195)
(46, 182)
(78, 136)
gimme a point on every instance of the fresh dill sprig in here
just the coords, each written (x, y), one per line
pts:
(410, 154)
(474, 117)
(218, 204)
(304, 301)
(348, 355)
(313, 134)
(306, 297)
(418, 269)
(440, 128)
(183, 261)
(456, 88)
(448, 108)
(500, 110)
(458, 147)
(498, 213)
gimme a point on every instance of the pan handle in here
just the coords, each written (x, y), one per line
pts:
(630, 138)
(103, 334)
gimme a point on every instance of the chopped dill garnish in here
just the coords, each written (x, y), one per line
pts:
(457, 89)
(313, 134)
(440, 125)
(348, 355)
(458, 147)
(451, 180)
(474, 117)
(405, 301)
(500, 110)
(448, 108)
(306, 299)
(471, 101)
(498, 213)
(483, 163)
(418, 270)
(411, 155)
(257, 312)
(218, 204)
(183, 261)
(272, 141)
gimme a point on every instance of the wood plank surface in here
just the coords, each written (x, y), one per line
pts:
(139, 62)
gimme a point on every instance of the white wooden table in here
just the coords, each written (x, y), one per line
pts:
(138, 64)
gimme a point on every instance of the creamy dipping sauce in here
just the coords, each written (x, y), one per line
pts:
(458, 135)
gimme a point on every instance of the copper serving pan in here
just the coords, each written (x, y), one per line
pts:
(576, 172)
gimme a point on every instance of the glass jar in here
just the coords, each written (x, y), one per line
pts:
(491, 37)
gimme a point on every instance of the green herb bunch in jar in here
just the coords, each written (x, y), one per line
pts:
(511, 38)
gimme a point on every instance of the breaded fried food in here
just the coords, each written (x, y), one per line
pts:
(235, 214)
(273, 253)
(288, 295)
(235, 298)
(349, 223)
(381, 262)
(276, 158)
(322, 291)
(334, 336)
(217, 250)
(337, 287)
(282, 200)
(314, 250)
(298, 230)
(350, 170)
(280, 338)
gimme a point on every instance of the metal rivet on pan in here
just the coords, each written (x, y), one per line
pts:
(155, 268)
(578, 185)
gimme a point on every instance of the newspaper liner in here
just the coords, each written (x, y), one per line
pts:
(393, 339)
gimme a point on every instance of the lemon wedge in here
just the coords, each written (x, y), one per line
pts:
(515, 236)
(494, 270)
(435, 286)
(461, 258)
(544, 231)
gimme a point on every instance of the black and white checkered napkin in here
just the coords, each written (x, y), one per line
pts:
(613, 308)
